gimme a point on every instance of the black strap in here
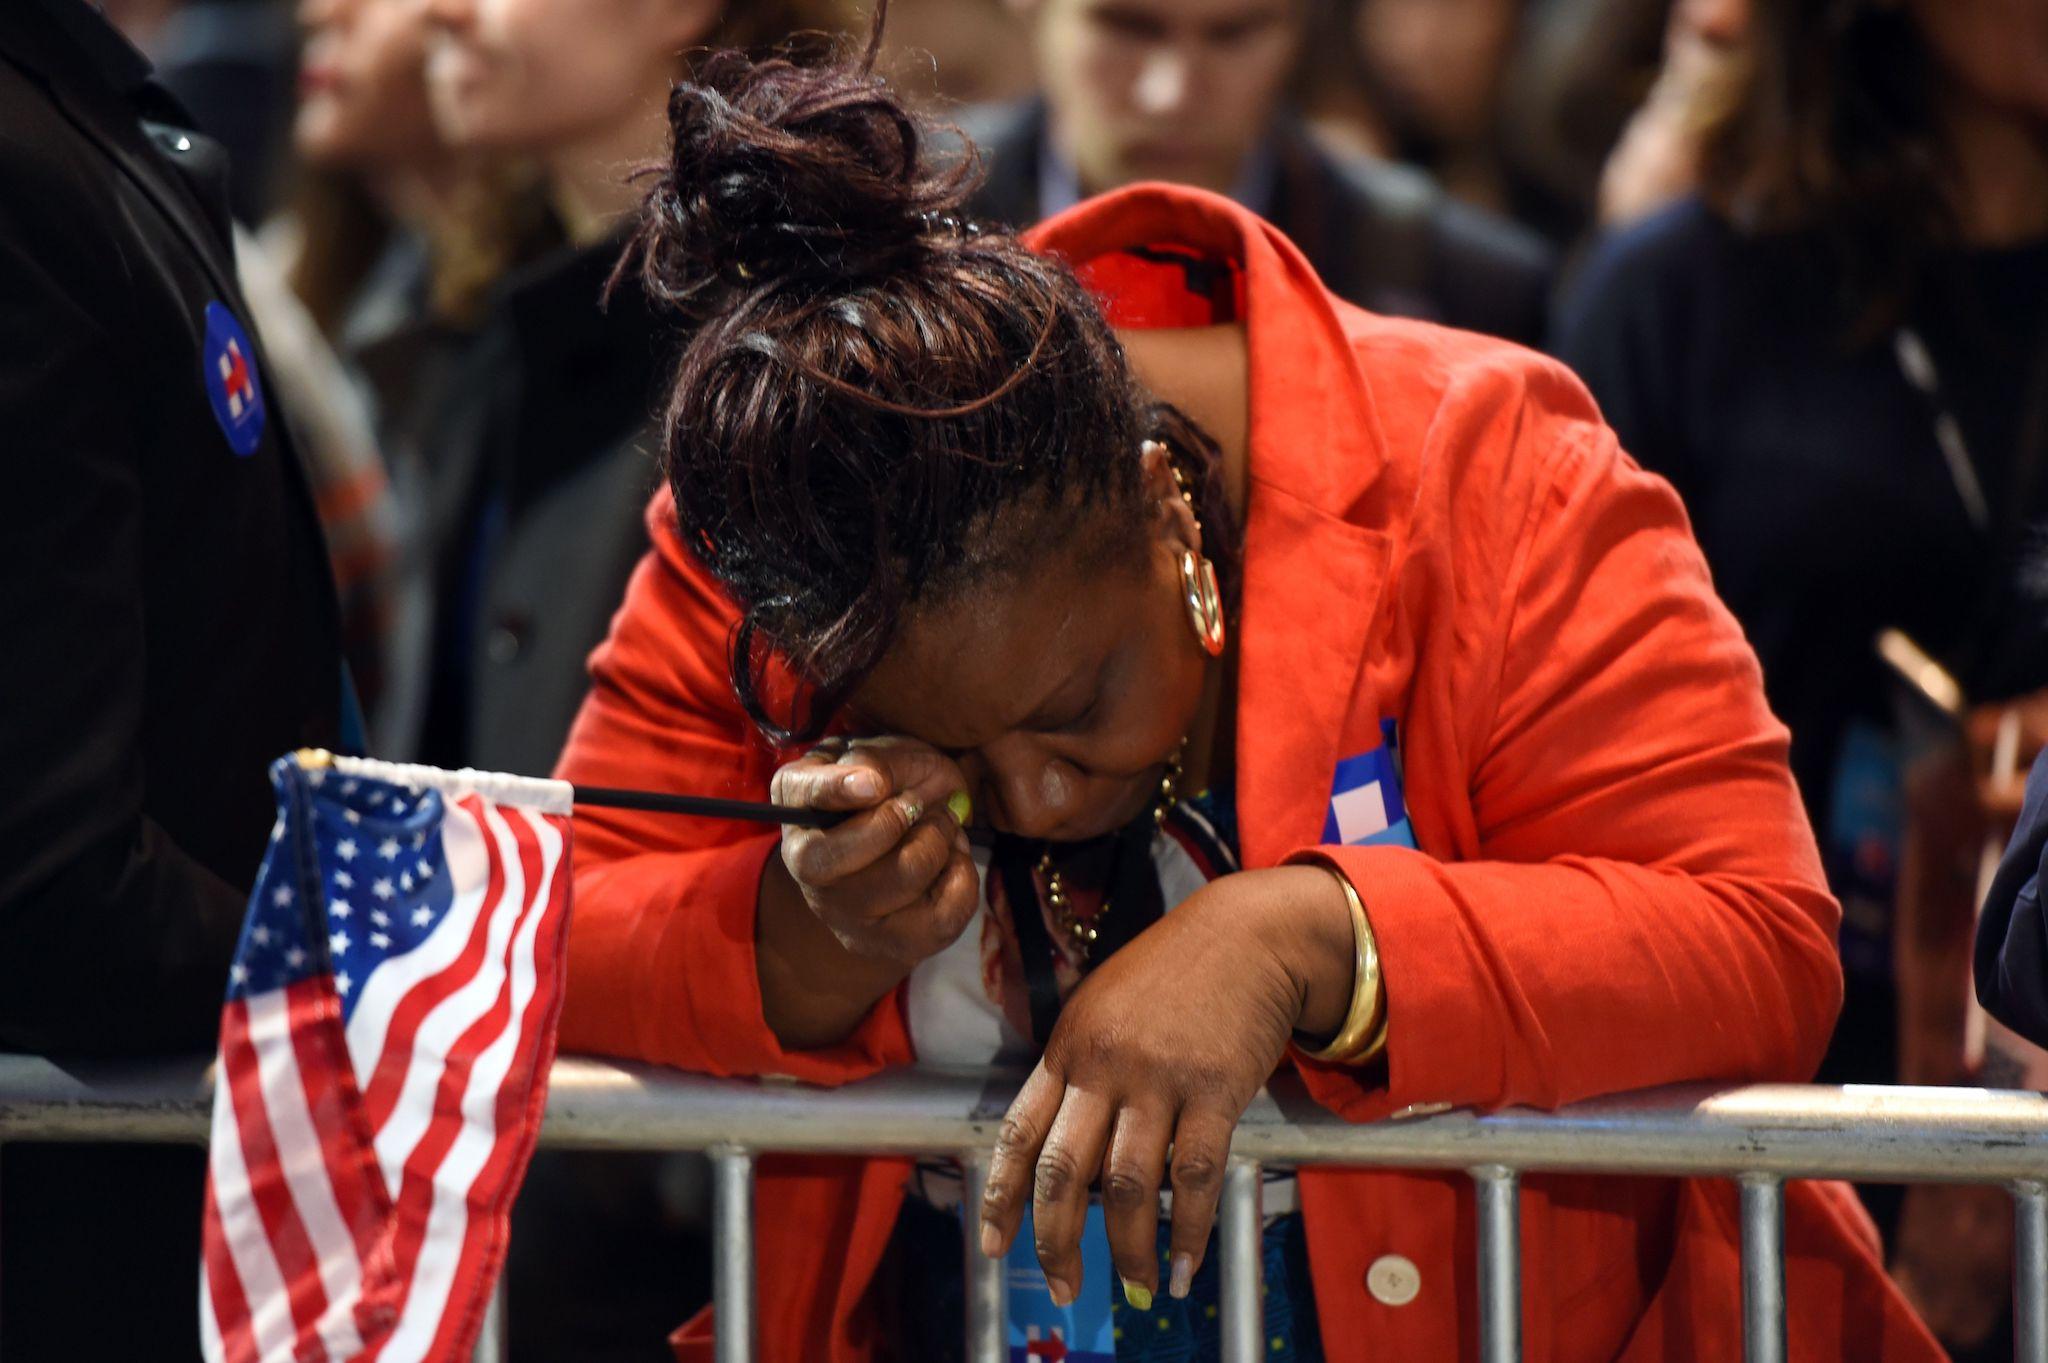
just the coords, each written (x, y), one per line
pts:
(1122, 865)
(1014, 858)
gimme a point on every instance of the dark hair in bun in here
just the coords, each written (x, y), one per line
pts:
(878, 403)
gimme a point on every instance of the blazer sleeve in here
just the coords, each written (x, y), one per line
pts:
(113, 939)
(1646, 904)
(661, 938)
(2012, 932)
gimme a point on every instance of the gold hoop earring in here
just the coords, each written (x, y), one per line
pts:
(1203, 599)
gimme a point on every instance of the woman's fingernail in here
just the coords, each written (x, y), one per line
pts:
(1062, 1295)
(1138, 1295)
(1183, 1276)
(961, 806)
(991, 1240)
(865, 784)
(912, 810)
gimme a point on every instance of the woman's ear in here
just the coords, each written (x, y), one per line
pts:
(1163, 490)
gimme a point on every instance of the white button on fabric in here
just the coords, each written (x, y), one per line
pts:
(1393, 1280)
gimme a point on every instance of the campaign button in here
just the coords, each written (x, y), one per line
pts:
(228, 369)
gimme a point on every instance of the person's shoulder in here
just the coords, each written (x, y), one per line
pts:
(1674, 250)
(1474, 268)
(59, 208)
(1385, 190)
(1439, 363)
(1493, 417)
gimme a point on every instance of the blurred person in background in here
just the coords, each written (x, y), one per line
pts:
(1578, 73)
(171, 629)
(536, 470)
(957, 51)
(1436, 69)
(1657, 158)
(530, 512)
(1191, 91)
(391, 239)
(1835, 350)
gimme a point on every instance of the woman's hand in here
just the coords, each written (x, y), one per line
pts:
(1154, 1059)
(896, 881)
(846, 912)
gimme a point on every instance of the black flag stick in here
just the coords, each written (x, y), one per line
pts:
(611, 797)
(704, 806)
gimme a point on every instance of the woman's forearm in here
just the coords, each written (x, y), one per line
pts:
(814, 992)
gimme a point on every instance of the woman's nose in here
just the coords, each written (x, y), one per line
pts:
(1162, 84)
(1037, 796)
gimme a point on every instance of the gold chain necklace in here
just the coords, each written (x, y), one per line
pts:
(1083, 932)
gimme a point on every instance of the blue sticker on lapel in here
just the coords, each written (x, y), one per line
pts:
(1367, 807)
(228, 367)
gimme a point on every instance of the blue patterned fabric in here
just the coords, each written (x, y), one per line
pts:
(920, 1293)
(1190, 1331)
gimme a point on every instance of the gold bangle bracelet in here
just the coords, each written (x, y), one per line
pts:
(1364, 1032)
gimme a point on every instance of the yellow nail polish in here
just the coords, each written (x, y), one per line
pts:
(1138, 1295)
(961, 806)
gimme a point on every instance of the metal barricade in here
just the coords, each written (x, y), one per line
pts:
(1758, 1136)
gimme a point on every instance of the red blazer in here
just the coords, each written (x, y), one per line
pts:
(1616, 888)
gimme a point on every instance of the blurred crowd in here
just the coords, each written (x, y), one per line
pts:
(1798, 249)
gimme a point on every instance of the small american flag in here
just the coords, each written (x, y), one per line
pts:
(384, 1053)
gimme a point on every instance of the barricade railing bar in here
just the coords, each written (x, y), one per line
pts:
(1758, 1136)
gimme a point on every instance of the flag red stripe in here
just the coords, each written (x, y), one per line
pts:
(416, 1187)
(289, 1244)
(387, 1081)
(329, 1084)
(227, 1301)
(519, 1103)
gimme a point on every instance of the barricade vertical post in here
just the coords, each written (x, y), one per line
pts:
(491, 1340)
(2030, 1271)
(1500, 1263)
(987, 1330)
(1763, 1269)
(732, 1254)
(1243, 1297)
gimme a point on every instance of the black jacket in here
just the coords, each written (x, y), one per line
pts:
(168, 619)
(1380, 235)
(2012, 932)
(532, 491)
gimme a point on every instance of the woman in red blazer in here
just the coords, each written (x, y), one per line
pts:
(1456, 777)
